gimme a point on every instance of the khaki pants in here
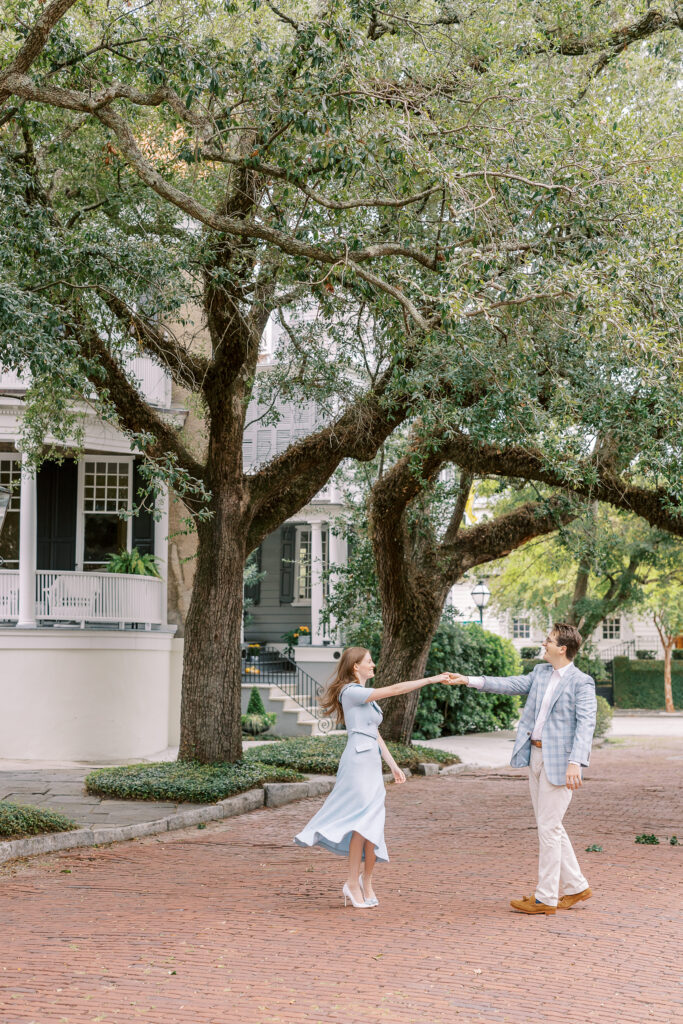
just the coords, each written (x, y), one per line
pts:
(559, 873)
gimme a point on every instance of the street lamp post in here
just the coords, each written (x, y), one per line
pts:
(480, 596)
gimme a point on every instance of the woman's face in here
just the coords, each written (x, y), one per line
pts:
(365, 668)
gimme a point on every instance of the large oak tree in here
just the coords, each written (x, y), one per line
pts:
(413, 172)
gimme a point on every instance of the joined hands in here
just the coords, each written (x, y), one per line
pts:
(450, 679)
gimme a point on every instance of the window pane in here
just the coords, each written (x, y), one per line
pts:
(304, 566)
(104, 535)
(9, 541)
(10, 475)
(521, 629)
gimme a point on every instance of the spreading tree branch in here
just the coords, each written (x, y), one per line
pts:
(658, 506)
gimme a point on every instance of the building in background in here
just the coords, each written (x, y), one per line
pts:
(87, 655)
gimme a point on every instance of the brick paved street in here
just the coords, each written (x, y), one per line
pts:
(233, 924)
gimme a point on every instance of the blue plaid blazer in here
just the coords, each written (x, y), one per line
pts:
(569, 727)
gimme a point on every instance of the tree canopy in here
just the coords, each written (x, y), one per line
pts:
(465, 216)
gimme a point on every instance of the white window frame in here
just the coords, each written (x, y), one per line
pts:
(300, 530)
(611, 628)
(81, 513)
(15, 500)
(305, 602)
(518, 622)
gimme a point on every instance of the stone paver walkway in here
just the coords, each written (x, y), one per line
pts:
(233, 924)
(62, 790)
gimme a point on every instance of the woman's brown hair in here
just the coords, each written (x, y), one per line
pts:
(329, 699)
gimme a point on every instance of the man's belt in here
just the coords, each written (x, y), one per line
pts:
(536, 743)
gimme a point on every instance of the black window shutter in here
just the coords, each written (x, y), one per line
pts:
(143, 522)
(56, 517)
(253, 591)
(287, 555)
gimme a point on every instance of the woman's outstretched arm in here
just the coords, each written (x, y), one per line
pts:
(412, 684)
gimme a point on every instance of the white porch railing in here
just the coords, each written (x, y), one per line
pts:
(87, 597)
(9, 594)
(153, 381)
(11, 381)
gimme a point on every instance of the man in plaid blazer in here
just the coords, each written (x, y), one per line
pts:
(554, 738)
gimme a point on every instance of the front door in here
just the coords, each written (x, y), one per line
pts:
(57, 504)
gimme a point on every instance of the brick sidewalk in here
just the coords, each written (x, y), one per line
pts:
(235, 925)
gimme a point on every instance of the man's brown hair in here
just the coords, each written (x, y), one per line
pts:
(567, 636)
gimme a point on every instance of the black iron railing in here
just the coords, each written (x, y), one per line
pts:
(266, 665)
(625, 649)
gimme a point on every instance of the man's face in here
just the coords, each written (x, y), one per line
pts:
(551, 650)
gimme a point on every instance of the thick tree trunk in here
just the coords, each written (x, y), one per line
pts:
(404, 656)
(210, 722)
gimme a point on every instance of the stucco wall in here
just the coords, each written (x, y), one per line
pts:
(84, 695)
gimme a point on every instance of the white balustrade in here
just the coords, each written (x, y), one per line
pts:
(9, 595)
(153, 380)
(98, 597)
(11, 381)
(86, 597)
(329, 493)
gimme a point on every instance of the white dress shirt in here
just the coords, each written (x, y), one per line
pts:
(547, 698)
(477, 682)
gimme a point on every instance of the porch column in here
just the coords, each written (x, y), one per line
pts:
(161, 550)
(316, 583)
(27, 547)
(338, 556)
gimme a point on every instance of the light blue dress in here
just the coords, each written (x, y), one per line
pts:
(356, 804)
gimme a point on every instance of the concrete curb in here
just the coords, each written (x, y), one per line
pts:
(240, 804)
(273, 794)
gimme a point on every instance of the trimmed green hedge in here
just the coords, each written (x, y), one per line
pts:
(455, 710)
(640, 684)
(184, 781)
(320, 754)
(18, 821)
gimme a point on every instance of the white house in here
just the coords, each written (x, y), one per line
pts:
(90, 668)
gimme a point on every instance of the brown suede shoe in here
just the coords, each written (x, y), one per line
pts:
(565, 902)
(530, 906)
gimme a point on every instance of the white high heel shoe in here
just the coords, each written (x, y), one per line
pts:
(371, 901)
(348, 894)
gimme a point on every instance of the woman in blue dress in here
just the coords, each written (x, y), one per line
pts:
(351, 821)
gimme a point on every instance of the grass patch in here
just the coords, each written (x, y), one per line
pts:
(320, 754)
(184, 781)
(18, 821)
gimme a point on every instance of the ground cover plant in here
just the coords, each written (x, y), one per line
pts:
(320, 755)
(18, 821)
(184, 781)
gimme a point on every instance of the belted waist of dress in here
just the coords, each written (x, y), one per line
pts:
(372, 735)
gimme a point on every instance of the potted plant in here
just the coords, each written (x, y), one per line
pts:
(257, 720)
(291, 639)
(133, 563)
(304, 635)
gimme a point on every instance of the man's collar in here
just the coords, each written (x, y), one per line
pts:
(564, 668)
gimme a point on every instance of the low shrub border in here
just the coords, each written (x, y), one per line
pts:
(18, 821)
(320, 754)
(185, 781)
